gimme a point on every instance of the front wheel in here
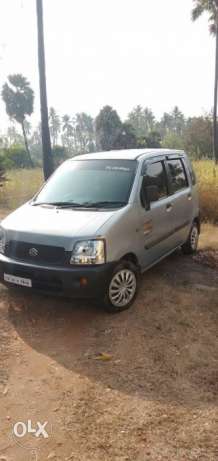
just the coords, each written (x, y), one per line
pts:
(122, 288)
(191, 245)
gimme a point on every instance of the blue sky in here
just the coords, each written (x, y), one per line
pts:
(117, 52)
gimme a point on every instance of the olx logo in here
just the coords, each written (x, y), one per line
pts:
(21, 429)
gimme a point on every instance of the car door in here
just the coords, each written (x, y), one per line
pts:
(155, 223)
(181, 198)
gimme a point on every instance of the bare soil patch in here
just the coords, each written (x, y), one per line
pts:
(156, 399)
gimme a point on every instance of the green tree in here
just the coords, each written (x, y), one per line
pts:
(55, 125)
(126, 139)
(13, 136)
(173, 122)
(3, 141)
(178, 121)
(35, 143)
(211, 7)
(149, 120)
(67, 125)
(142, 120)
(153, 140)
(165, 124)
(68, 133)
(19, 98)
(28, 127)
(137, 120)
(59, 155)
(84, 131)
(48, 166)
(173, 141)
(198, 137)
(108, 128)
(15, 157)
(37, 135)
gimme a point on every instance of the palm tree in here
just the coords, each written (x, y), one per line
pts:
(67, 125)
(19, 97)
(211, 7)
(46, 141)
(55, 125)
(178, 121)
(149, 120)
(68, 133)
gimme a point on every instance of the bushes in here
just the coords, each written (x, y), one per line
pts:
(198, 137)
(21, 185)
(14, 157)
(207, 175)
(59, 154)
(173, 141)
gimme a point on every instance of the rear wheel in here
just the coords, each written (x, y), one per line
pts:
(122, 288)
(191, 245)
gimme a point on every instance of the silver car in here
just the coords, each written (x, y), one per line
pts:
(99, 222)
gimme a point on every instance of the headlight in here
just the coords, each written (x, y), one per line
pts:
(2, 240)
(88, 252)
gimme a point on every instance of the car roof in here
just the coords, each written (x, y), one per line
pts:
(127, 154)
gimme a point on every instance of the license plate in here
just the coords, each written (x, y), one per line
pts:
(18, 280)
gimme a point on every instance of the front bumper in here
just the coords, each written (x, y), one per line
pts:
(64, 281)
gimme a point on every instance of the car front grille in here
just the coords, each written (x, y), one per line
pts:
(37, 254)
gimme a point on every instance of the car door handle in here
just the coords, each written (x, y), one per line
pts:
(169, 207)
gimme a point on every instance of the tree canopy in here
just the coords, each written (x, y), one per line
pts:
(142, 120)
(19, 98)
(54, 125)
(206, 6)
(79, 134)
(108, 128)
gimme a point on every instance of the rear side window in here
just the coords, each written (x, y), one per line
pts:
(177, 175)
(155, 176)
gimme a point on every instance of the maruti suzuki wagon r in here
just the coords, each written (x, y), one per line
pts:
(99, 222)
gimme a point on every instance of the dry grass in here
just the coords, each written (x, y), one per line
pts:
(207, 175)
(22, 185)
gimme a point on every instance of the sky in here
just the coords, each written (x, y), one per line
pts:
(117, 52)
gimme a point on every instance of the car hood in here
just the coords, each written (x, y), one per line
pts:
(53, 226)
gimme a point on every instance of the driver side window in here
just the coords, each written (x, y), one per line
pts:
(155, 175)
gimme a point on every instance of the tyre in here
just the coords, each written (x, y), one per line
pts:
(191, 245)
(122, 288)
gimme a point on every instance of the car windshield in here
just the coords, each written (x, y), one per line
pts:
(89, 183)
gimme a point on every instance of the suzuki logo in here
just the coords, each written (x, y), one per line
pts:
(33, 252)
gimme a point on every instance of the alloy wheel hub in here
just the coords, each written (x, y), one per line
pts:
(122, 288)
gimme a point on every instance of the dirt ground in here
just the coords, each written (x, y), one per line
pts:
(155, 399)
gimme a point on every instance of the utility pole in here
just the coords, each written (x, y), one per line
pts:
(46, 140)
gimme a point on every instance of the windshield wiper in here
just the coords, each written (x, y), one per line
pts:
(41, 203)
(60, 204)
(104, 204)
